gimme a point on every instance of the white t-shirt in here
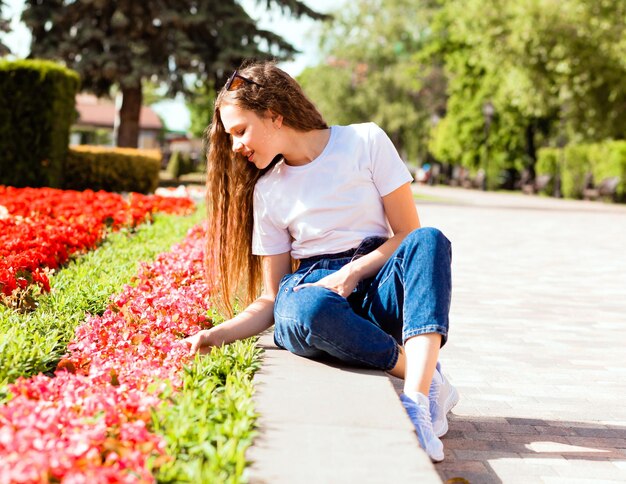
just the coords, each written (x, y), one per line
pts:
(332, 203)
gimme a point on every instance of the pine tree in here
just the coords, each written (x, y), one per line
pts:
(125, 42)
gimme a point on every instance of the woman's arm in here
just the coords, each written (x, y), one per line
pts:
(402, 215)
(257, 317)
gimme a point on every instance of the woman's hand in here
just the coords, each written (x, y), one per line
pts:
(342, 282)
(202, 342)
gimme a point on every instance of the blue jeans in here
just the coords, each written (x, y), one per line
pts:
(409, 296)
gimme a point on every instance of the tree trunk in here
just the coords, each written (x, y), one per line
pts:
(128, 132)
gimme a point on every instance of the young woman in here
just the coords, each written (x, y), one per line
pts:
(286, 191)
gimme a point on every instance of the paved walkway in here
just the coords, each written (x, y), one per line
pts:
(537, 350)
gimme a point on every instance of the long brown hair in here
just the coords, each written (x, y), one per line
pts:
(231, 179)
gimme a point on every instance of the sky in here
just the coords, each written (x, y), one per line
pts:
(300, 33)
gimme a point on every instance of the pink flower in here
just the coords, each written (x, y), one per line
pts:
(91, 422)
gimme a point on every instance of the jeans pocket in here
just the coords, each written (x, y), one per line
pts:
(300, 277)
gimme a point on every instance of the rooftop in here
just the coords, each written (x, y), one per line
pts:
(95, 111)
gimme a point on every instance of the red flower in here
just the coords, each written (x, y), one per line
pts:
(45, 227)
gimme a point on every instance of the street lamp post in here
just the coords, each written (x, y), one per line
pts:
(488, 112)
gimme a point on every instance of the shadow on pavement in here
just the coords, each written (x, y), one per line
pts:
(485, 450)
(491, 450)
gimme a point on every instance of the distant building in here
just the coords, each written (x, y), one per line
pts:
(96, 120)
(181, 142)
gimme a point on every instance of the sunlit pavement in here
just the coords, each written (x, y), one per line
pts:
(537, 343)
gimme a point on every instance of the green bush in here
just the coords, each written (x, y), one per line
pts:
(575, 170)
(180, 164)
(616, 166)
(608, 159)
(37, 108)
(548, 160)
(602, 160)
(174, 164)
(112, 169)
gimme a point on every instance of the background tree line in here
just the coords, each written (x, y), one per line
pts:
(422, 69)
(425, 69)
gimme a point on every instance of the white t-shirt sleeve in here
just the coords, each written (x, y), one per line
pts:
(267, 237)
(388, 170)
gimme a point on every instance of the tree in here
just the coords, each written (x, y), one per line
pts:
(372, 72)
(554, 71)
(458, 44)
(125, 43)
(572, 65)
(200, 106)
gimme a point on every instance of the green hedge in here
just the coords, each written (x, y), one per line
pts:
(180, 164)
(112, 169)
(576, 166)
(37, 107)
(574, 162)
(608, 159)
(548, 164)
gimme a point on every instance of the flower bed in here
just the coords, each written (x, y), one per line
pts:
(40, 228)
(91, 422)
(33, 342)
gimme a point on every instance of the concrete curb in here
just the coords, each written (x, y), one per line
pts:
(324, 423)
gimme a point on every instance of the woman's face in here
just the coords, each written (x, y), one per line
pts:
(257, 138)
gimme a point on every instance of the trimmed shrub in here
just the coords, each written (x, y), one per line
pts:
(180, 163)
(577, 166)
(37, 108)
(608, 159)
(602, 160)
(174, 164)
(112, 169)
(548, 164)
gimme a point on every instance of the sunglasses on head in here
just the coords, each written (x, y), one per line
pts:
(236, 80)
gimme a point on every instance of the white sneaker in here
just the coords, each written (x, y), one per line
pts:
(443, 397)
(419, 413)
